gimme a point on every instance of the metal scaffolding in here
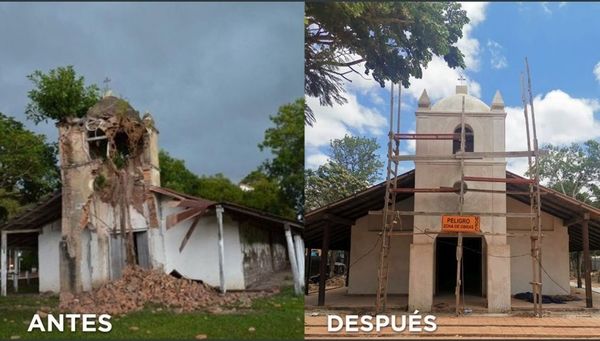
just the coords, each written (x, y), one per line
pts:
(391, 216)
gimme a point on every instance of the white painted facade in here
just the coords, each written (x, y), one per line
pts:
(48, 257)
(555, 251)
(200, 258)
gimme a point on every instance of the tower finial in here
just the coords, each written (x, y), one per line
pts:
(424, 101)
(497, 102)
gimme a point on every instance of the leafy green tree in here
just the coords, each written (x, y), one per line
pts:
(352, 167)
(59, 94)
(358, 156)
(265, 195)
(330, 182)
(219, 188)
(395, 40)
(573, 170)
(28, 166)
(175, 175)
(286, 142)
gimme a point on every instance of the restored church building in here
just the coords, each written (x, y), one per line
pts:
(497, 259)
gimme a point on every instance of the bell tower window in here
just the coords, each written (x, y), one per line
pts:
(469, 140)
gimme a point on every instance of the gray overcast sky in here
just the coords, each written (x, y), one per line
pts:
(210, 73)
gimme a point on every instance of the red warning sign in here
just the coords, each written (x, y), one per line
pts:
(458, 223)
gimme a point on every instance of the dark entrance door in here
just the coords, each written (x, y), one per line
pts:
(445, 251)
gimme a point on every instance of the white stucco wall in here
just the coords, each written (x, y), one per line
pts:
(200, 258)
(555, 253)
(363, 273)
(48, 257)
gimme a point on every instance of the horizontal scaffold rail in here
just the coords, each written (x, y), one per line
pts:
(466, 155)
(428, 232)
(483, 214)
(505, 180)
(457, 190)
(426, 190)
(444, 136)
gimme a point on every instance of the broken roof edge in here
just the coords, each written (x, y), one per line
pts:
(48, 210)
(261, 214)
(229, 205)
(45, 210)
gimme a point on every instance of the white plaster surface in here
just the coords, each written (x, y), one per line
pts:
(555, 256)
(48, 257)
(200, 258)
(364, 259)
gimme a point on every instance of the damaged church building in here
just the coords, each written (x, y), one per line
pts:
(496, 259)
(112, 212)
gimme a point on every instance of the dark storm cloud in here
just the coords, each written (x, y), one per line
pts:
(210, 73)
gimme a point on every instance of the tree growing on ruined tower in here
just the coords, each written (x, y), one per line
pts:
(391, 40)
(59, 94)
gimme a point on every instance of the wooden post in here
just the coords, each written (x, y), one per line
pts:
(299, 244)
(347, 259)
(323, 265)
(578, 269)
(587, 261)
(16, 270)
(3, 264)
(292, 256)
(332, 257)
(308, 270)
(219, 211)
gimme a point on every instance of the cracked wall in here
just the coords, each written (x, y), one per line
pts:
(109, 160)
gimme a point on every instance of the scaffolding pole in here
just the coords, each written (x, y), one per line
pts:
(461, 202)
(538, 221)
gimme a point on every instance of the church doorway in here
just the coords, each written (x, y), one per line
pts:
(445, 265)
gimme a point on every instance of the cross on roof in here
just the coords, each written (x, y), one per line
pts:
(462, 79)
(106, 87)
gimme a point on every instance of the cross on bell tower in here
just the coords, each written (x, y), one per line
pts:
(106, 89)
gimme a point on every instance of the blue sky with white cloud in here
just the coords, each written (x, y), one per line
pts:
(561, 43)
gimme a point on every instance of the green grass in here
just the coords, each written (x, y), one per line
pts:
(277, 317)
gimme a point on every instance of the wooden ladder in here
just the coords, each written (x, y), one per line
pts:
(389, 208)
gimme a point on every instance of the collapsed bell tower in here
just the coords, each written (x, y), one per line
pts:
(108, 162)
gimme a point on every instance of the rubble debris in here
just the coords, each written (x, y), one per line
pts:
(337, 281)
(138, 287)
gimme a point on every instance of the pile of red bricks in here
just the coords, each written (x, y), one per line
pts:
(138, 287)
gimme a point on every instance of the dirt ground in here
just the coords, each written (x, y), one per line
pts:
(489, 326)
(569, 320)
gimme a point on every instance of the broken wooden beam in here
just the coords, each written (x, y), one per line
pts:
(188, 234)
